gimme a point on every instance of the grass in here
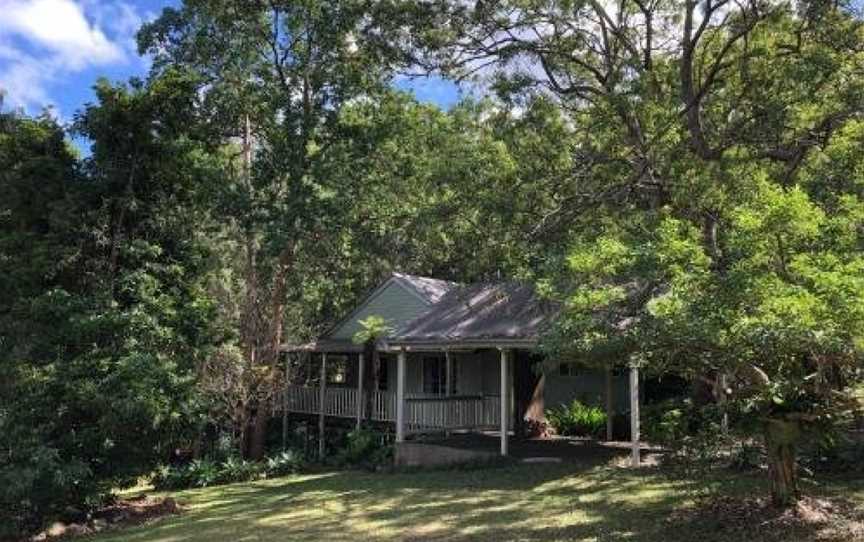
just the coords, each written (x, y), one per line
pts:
(525, 502)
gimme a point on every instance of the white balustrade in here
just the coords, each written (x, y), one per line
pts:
(421, 414)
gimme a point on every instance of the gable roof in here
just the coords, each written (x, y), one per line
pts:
(428, 289)
(444, 314)
(398, 299)
(480, 313)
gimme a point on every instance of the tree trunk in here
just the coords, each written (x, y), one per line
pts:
(258, 436)
(369, 376)
(781, 437)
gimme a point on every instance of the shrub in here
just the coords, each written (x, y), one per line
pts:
(283, 463)
(208, 472)
(170, 477)
(202, 473)
(667, 422)
(235, 469)
(694, 434)
(364, 448)
(577, 419)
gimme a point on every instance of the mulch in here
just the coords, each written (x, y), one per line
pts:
(752, 518)
(120, 514)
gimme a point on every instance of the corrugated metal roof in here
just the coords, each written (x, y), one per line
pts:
(479, 312)
(508, 312)
(431, 290)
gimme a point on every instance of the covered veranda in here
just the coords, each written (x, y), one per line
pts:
(498, 325)
(357, 397)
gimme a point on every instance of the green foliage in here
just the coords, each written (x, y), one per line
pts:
(372, 328)
(103, 303)
(284, 463)
(208, 472)
(693, 434)
(364, 448)
(237, 469)
(717, 223)
(198, 473)
(577, 419)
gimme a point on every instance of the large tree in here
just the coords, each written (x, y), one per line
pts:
(711, 235)
(104, 312)
(276, 75)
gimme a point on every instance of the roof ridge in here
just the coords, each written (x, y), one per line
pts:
(430, 289)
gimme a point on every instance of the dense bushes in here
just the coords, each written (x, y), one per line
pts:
(577, 419)
(364, 448)
(206, 472)
(700, 437)
(105, 307)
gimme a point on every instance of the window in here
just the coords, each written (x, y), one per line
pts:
(383, 361)
(434, 375)
(567, 369)
(337, 369)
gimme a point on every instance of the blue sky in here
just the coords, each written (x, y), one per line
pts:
(52, 51)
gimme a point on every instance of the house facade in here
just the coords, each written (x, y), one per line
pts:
(451, 357)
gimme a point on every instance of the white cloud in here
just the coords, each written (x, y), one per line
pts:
(59, 26)
(43, 41)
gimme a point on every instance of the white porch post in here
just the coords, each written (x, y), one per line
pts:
(610, 408)
(400, 396)
(322, 397)
(634, 414)
(360, 400)
(505, 410)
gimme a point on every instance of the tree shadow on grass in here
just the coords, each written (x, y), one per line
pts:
(523, 502)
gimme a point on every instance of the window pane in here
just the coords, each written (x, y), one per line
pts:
(337, 368)
(433, 375)
(382, 373)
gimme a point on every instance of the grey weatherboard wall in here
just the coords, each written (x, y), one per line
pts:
(392, 301)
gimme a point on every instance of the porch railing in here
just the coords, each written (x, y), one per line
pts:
(340, 402)
(421, 413)
(454, 412)
(383, 406)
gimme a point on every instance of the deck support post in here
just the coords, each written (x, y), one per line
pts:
(449, 373)
(322, 397)
(634, 415)
(610, 405)
(400, 396)
(722, 384)
(505, 403)
(360, 400)
(285, 402)
(448, 380)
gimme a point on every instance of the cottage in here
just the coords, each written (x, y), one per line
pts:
(452, 357)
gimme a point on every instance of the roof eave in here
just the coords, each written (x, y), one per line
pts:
(396, 344)
(341, 347)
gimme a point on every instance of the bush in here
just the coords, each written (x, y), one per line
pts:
(577, 419)
(235, 469)
(284, 463)
(169, 477)
(364, 448)
(694, 434)
(207, 472)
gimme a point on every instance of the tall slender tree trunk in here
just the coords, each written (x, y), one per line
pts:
(369, 375)
(269, 358)
(781, 437)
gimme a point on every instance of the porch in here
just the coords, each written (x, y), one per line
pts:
(422, 413)
(456, 358)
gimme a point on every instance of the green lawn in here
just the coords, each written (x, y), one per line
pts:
(524, 502)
